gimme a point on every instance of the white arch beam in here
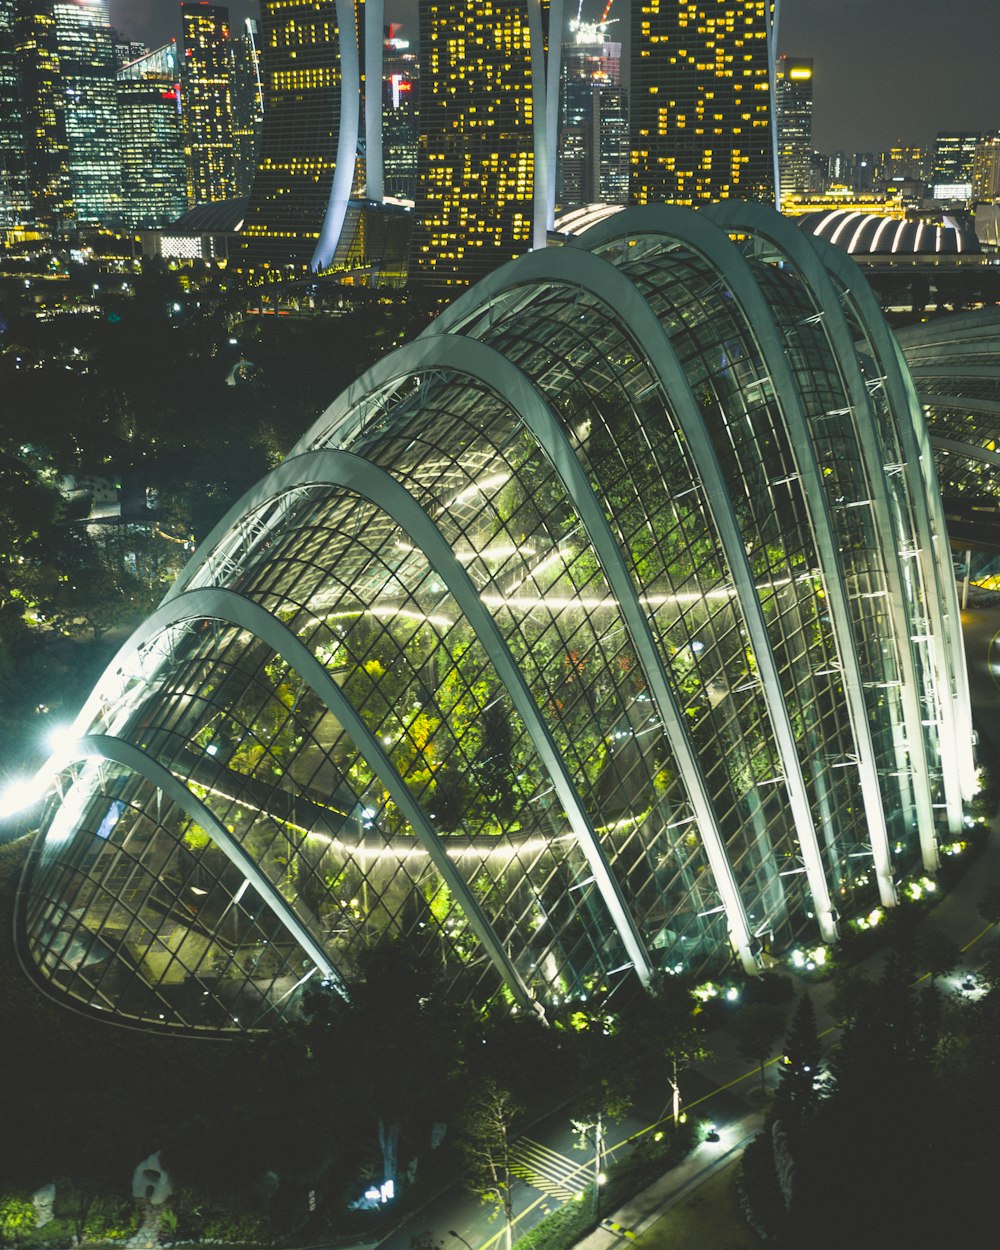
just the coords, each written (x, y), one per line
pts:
(794, 244)
(933, 552)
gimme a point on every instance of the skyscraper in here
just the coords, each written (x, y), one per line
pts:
(986, 169)
(14, 203)
(400, 99)
(87, 64)
(954, 153)
(488, 111)
(309, 137)
(247, 105)
(593, 121)
(793, 100)
(43, 112)
(701, 106)
(151, 139)
(208, 107)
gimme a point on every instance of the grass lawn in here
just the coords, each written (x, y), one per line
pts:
(708, 1219)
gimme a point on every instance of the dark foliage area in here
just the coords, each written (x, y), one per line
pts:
(896, 1144)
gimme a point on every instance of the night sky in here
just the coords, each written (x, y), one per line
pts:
(887, 71)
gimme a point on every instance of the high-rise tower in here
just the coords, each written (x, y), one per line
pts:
(208, 112)
(43, 106)
(152, 139)
(701, 102)
(488, 117)
(793, 99)
(593, 120)
(87, 62)
(14, 204)
(309, 137)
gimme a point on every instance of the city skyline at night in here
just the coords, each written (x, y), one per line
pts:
(889, 72)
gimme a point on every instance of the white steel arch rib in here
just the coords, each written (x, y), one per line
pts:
(606, 283)
(794, 244)
(219, 604)
(107, 747)
(934, 555)
(704, 237)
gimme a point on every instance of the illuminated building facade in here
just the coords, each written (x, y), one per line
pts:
(14, 202)
(208, 102)
(701, 102)
(248, 105)
(607, 627)
(986, 170)
(43, 114)
(489, 92)
(954, 153)
(793, 99)
(400, 104)
(151, 131)
(87, 65)
(309, 138)
(593, 160)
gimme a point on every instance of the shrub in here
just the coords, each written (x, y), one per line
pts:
(17, 1219)
(55, 1235)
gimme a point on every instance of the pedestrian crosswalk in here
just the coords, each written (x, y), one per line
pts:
(547, 1170)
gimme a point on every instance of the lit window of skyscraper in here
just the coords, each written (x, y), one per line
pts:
(485, 164)
(701, 125)
(152, 139)
(247, 105)
(208, 112)
(793, 109)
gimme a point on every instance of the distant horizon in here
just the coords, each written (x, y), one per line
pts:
(887, 72)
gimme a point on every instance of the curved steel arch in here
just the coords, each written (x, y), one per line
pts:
(219, 604)
(697, 233)
(933, 553)
(606, 283)
(794, 244)
(106, 747)
(969, 450)
(475, 360)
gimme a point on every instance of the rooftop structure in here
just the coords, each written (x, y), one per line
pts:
(607, 627)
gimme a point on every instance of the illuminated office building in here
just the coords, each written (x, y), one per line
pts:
(489, 82)
(87, 65)
(793, 100)
(15, 205)
(400, 104)
(700, 105)
(954, 153)
(248, 105)
(593, 159)
(43, 113)
(151, 139)
(607, 628)
(309, 137)
(986, 170)
(208, 102)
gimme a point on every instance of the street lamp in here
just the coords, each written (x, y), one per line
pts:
(458, 1237)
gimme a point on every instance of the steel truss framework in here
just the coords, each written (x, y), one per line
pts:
(598, 631)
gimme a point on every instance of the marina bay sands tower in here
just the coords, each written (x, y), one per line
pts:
(321, 139)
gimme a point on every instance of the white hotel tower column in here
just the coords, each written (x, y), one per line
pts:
(374, 22)
(347, 139)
